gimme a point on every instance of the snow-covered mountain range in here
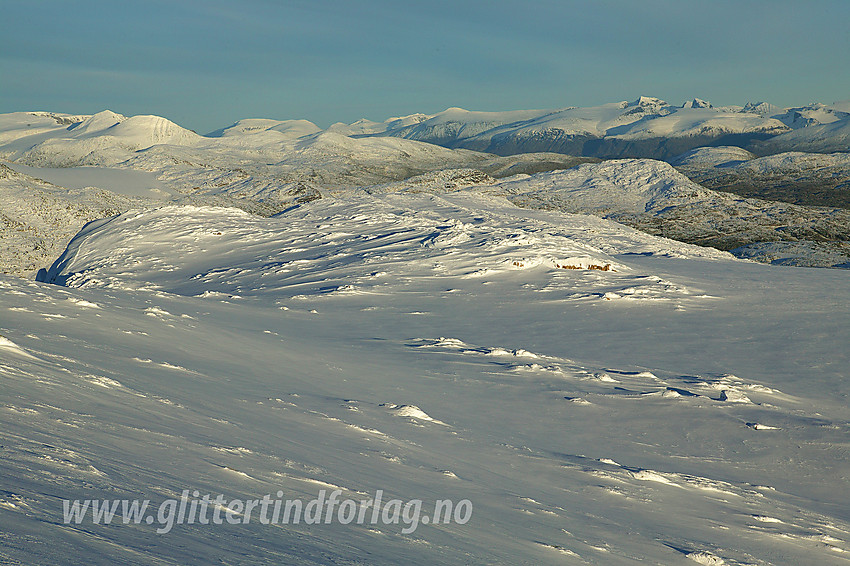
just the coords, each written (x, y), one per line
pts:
(279, 309)
(248, 153)
(645, 127)
(262, 166)
(266, 166)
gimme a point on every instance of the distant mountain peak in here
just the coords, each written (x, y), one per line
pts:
(646, 105)
(648, 101)
(97, 122)
(763, 108)
(418, 118)
(251, 126)
(697, 103)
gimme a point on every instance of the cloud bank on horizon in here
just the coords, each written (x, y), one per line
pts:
(204, 64)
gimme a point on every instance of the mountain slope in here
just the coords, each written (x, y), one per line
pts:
(820, 138)
(811, 179)
(103, 139)
(287, 129)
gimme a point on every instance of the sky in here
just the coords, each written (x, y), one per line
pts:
(207, 63)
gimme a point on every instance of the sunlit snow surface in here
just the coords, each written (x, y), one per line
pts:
(266, 166)
(600, 395)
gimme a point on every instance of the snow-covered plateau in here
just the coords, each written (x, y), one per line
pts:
(267, 166)
(277, 309)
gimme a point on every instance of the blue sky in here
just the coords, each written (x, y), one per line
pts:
(205, 64)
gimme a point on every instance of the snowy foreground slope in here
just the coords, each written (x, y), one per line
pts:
(600, 395)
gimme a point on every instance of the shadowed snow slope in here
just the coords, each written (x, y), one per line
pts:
(600, 395)
(825, 138)
(813, 179)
